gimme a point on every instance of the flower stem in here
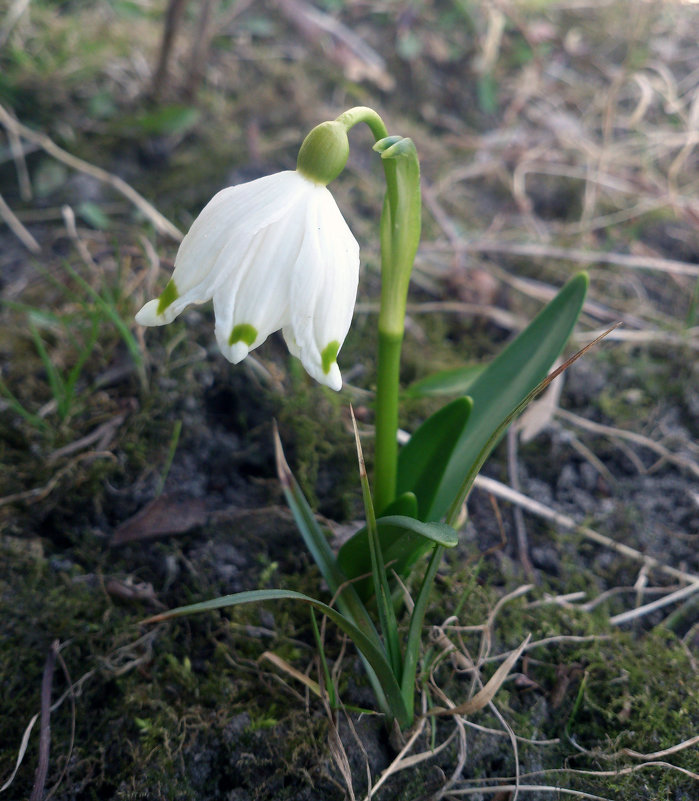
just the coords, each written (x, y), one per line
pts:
(386, 445)
(367, 115)
(400, 235)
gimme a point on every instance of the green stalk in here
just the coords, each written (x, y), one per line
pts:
(366, 115)
(386, 438)
(400, 235)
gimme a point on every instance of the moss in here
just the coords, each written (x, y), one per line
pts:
(613, 691)
(316, 434)
(157, 695)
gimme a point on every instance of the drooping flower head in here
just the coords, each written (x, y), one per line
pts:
(273, 254)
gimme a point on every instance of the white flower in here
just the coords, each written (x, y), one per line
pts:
(273, 253)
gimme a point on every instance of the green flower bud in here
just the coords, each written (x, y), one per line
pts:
(324, 153)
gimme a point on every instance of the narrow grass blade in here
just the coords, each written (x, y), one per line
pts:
(17, 407)
(347, 599)
(373, 653)
(172, 449)
(113, 315)
(412, 647)
(54, 377)
(327, 678)
(83, 356)
(382, 592)
(290, 670)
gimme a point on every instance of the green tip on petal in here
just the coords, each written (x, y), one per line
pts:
(324, 153)
(329, 355)
(243, 332)
(169, 295)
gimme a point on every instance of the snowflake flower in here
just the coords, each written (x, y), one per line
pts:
(273, 254)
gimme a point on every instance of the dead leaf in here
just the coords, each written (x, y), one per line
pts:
(540, 412)
(165, 514)
(486, 695)
(564, 675)
(130, 590)
(503, 795)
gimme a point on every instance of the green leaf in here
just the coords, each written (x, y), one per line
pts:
(502, 386)
(405, 504)
(93, 215)
(403, 541)
(423, 460)
(166, 120)
(417, 619)
(475, 467)
(445, 382)
(382, 592)
(347, 599)
(372, 652)
(344, 593)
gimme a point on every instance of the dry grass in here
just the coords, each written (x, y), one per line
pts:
(554, 136)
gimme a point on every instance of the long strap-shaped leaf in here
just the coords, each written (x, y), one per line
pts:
(373, 654)
(425, 458)
(475, 468)
(501, 388)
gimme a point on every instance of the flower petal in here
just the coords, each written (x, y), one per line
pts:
(214, 245)
(323, 290)
(257, 295)
(273, 253)
(333, 314)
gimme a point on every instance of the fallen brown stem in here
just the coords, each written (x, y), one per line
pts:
(45, 725)
(17, 228)
(566, 522)
(163, 225)
(568, 254)
(665, 752)
(632, 436)
(73, 716)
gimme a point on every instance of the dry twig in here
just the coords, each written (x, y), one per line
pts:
(17, 228)
(163, 225)
(566, 522)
